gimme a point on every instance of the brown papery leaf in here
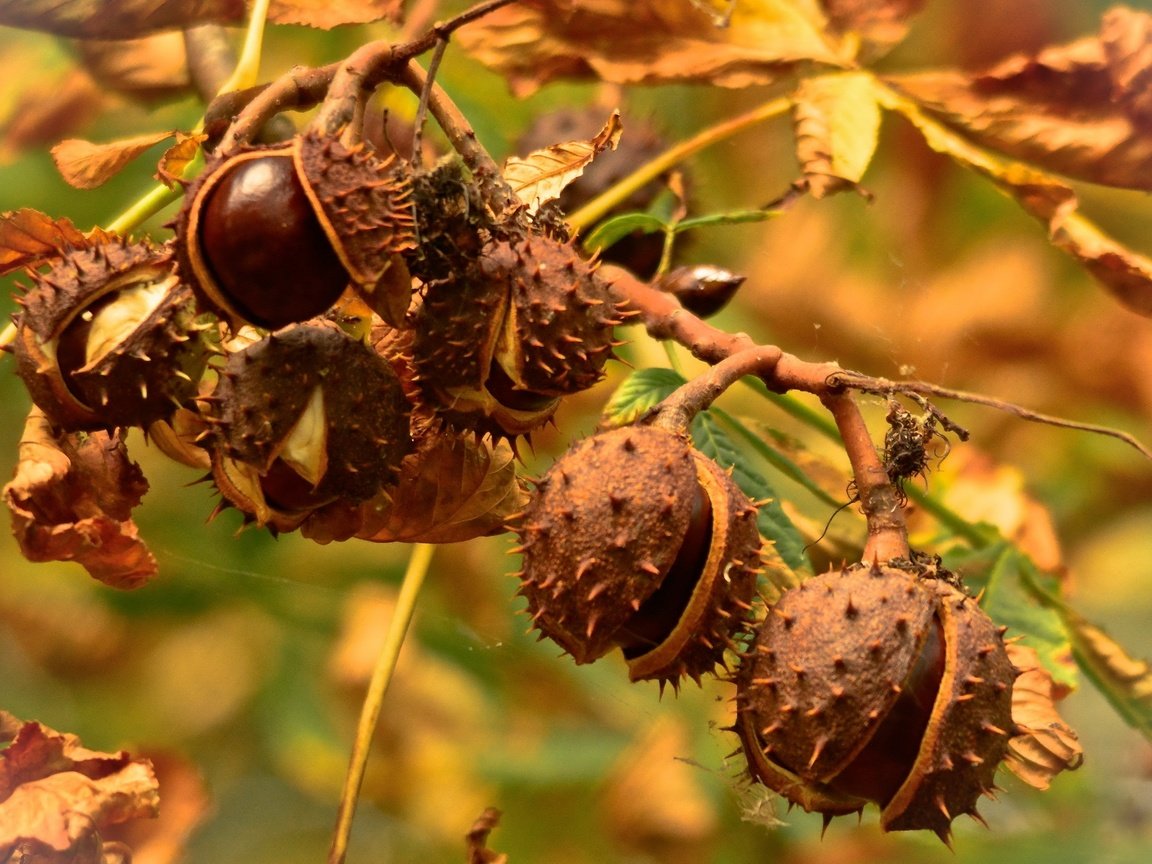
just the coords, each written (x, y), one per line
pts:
(86, 165)
(28, 236)
(451, 489)
(837, 124)
(186, 805)
(1127, 274)
(177, 157)
(71, 500)
(542, 175)
(117, 19)
(648, 42)
(1044, 745)
(56, 796)
(326, 14)
(1082, 109)
(1125, 680)
(154, 67)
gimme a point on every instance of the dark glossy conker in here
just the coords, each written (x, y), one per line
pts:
(259, 239)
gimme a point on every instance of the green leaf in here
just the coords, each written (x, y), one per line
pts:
(1010, 599)
(773, 522)
(639, 393)
(619, 227)
(783, 463)
(731, 217)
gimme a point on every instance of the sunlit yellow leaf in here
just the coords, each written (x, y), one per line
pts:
(837, 121)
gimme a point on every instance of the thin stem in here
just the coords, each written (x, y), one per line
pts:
(688, 400)
(868, 384)
(418, 565)
(598, 207)
(887, 533)
(247, 71)
(144, 207)
(425, 94)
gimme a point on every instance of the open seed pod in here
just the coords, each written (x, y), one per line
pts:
(527, 322)
(636, 540)
(876, 685)
(273, 235)
(305, 416)
(107, 337)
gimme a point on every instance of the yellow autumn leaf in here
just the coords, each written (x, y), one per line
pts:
(837, 124)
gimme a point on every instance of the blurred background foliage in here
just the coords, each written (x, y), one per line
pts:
(244, 662)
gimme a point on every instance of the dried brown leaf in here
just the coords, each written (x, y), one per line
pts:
(28, 236)
(451, 489)
(176, 158)
(326, 14)
(1083, 109)
(116, 19)
(648, 42)
(56, 796)
(837, 123)
(186, 805)
(1125, 273)
(71, 500)
(543, 174)
(153, 67)
(86, 165)
(1044, 744)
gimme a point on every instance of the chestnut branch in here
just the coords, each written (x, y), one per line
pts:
(735, 355)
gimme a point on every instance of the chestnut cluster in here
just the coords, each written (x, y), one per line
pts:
(868, 685)
(320, 311)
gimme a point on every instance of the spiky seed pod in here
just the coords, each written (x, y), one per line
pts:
(526, 323)
(305, 416)
(273, 235)
(636, 540)
(107, 337)
(876, 685)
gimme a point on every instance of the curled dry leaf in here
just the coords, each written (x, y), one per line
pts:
(176, 158)
(28, 236)
(86, 165)
(1125, 273)
(542, 175)
(1044, 744)
(71, 500)
(837, 124)
(648, 42)
(1083, 109)
(57, 797)
(450, 489)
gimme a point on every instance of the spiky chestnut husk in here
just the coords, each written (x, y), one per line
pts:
(874, 685)
(107, 337)
(527, 322)
(273, 235)
(303, 417)
(635, 540)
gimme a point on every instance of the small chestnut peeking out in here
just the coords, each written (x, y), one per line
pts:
(107, 337)
(877, 685)
(635, 540)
